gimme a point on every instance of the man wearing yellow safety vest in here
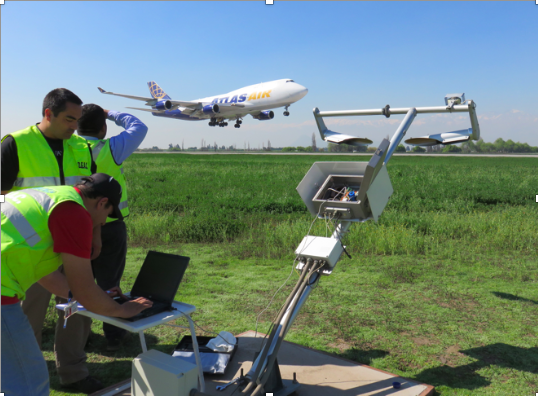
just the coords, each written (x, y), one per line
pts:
(109, 155)
(50, 154)
(43, 228)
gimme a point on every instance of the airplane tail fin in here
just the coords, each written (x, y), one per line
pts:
(156, 91)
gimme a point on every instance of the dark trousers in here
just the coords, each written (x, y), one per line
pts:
(108, 267)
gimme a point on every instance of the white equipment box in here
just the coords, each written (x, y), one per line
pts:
(158, 374)
(320, 248)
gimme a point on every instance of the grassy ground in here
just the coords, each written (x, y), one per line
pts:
(442, 290)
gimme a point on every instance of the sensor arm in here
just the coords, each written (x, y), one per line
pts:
(400, 132)
(264, 364)
(474, 120)
(393, 110)
(410, 113)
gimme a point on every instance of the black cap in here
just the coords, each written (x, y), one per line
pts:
(109, 187)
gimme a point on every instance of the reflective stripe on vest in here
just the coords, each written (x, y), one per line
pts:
(97, 149)
(41, 198)
(72, 180)
(28, 182)
(20, 223)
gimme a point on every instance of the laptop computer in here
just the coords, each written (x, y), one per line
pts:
(158, 281)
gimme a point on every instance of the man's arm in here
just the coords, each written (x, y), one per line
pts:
(10, 164)
(56, 283)
(80, 279)
(124, 144)
(97, 243)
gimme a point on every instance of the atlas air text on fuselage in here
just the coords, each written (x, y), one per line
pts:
(243, 97)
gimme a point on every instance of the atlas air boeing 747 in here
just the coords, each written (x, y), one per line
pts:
(256, 100)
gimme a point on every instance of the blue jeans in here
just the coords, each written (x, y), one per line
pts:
(24, 370)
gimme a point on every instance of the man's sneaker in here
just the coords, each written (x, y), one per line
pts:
(87, 385)
(115, 343)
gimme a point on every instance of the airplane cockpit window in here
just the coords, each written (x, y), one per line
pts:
(290, 81)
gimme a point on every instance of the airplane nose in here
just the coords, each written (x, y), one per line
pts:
(303, 91)
(300, 92)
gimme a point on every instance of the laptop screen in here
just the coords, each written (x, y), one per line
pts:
(160, 276)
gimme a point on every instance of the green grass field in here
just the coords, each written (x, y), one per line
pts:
(442, 290)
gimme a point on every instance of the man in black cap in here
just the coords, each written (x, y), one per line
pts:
(43, 228)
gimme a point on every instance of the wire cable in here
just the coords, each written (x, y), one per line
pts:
(274, 295)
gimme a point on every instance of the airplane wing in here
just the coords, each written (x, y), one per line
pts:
(152, 101)
(150, 110)
(124, 96)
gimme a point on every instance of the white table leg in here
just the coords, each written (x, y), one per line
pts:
(196, 354)
(118, 389)
(143, 341)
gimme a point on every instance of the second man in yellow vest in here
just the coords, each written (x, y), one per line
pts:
(109, 155)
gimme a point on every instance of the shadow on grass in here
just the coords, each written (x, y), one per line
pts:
(513, 297)
(110, 373)
(466, 377)
(363, 356)
(97, 343)
(115, 366)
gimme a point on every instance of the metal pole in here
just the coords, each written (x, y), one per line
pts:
(196, 354)
(401, 110)
(400, 132)
(302, 296)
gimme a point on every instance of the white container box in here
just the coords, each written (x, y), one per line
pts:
(158, 374)
(320, 248)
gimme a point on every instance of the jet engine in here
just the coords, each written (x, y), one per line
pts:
(265, 115)
(211, 109)
(163, 105)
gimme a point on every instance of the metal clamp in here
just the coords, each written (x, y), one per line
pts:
(386, 111)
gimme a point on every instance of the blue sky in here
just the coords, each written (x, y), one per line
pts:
(350, 55)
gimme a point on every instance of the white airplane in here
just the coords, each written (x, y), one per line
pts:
(256, 100)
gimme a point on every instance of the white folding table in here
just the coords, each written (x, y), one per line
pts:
(162, 318)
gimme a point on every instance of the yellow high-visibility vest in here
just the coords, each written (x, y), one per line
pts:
(102, 156)
(27, 245)
(38, 166)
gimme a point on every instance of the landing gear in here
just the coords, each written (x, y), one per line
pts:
(238, 123)
(220, 123)
(286, 112)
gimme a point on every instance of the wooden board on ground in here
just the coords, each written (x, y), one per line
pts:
(319, 374)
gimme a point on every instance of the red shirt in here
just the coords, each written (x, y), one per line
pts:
(71, 227)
